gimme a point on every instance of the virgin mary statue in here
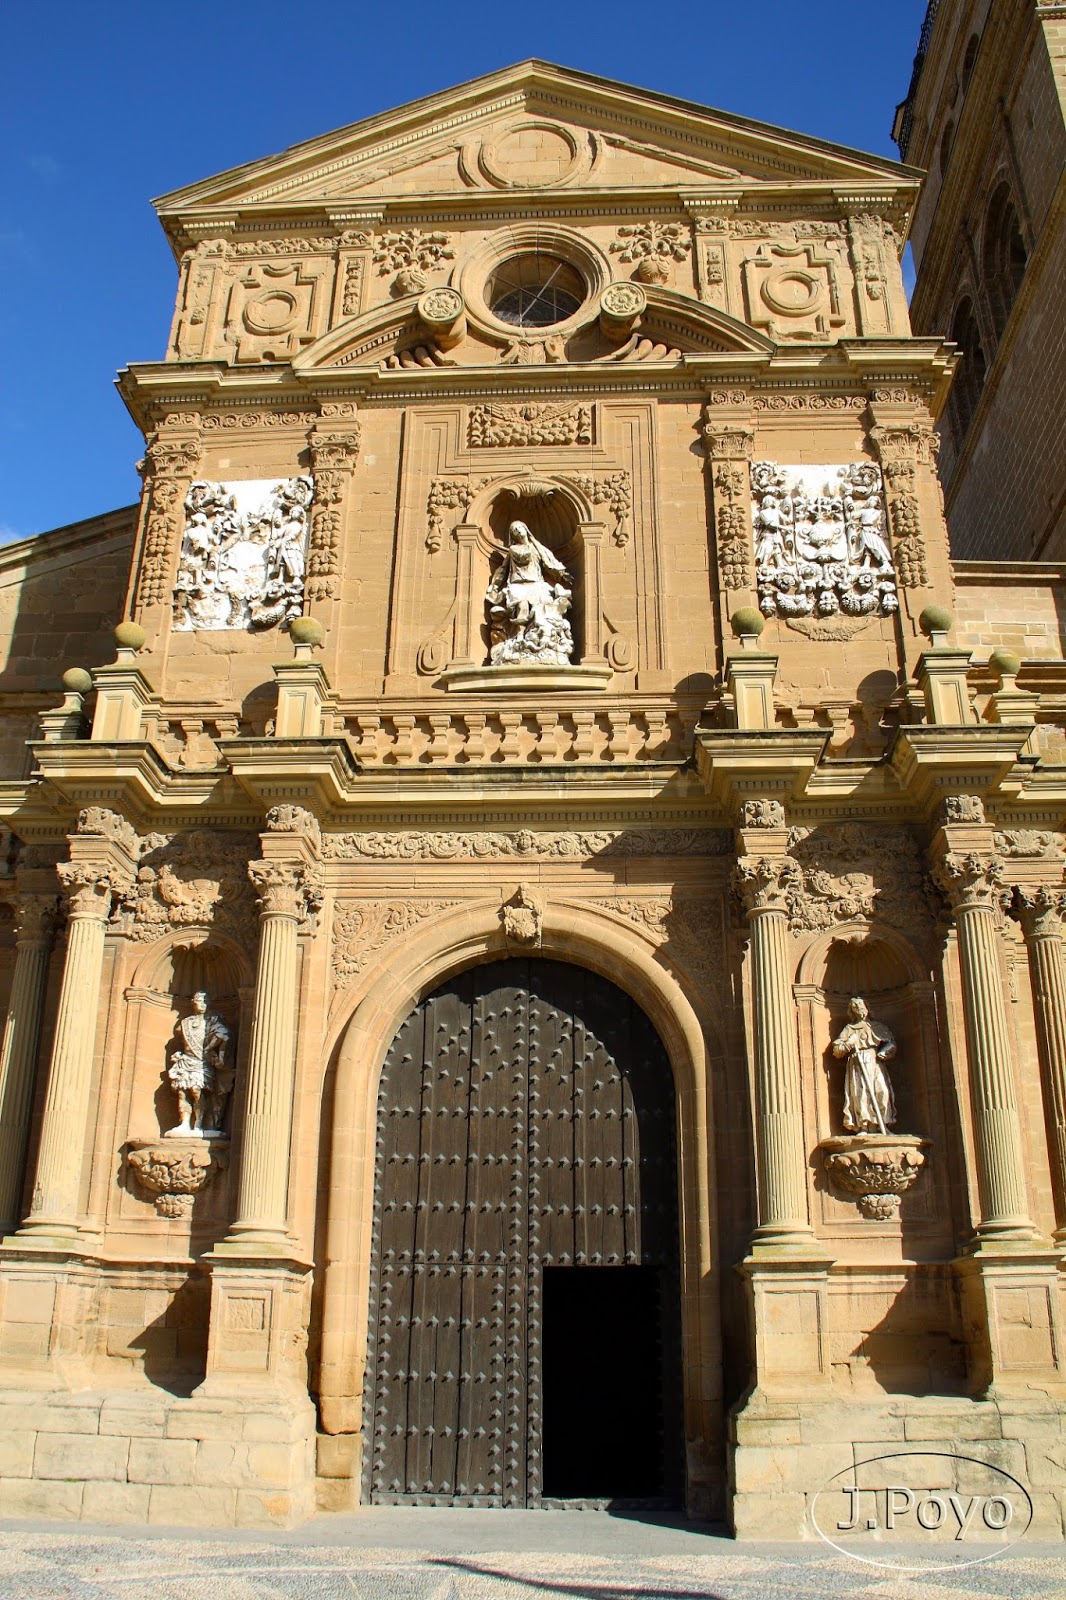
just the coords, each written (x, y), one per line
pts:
(527, 601)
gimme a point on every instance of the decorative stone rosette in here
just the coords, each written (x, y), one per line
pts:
(174, 1172)
(875, 1169)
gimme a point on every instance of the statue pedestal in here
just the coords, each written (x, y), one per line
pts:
(173, 1170)
(874, 1168)
(522, 677)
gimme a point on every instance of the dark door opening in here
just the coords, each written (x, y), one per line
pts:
(604, 1372)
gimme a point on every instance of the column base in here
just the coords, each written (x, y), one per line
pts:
(1012, 1309)
(48, 1302)
(257, 1338)
(780, 1237)
(788, 1307)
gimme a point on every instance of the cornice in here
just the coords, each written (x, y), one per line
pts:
(830, 368)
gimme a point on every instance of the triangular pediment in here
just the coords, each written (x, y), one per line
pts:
(533, 127)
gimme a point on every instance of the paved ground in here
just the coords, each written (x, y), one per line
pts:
(476, 1555)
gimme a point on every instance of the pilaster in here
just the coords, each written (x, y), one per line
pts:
(35, 926)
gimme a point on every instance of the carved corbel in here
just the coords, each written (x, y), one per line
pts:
(174, 1173)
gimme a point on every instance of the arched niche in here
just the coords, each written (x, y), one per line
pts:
(559, 515)
(882, 967)
(160, 995)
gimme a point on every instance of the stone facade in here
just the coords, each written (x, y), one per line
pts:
(986, 117)
(738, 758)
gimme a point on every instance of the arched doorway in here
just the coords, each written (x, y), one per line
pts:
(524, 1340)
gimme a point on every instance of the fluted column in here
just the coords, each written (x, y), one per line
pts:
(971, 884)
(57, 1185)
(1040, 912)
(779, 1144)
(262, 1204)
(34, 933)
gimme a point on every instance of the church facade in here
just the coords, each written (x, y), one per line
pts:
(533, 948)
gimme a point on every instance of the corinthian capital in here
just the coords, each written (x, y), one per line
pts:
(286, 889)
(970, 882)
(36, 916)
(89, 887)
(1040, 911)
(763, 883)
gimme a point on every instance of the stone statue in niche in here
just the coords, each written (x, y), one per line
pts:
(528, 600)
(820, 545)
(243, 554)
(869, 1104)
(199, 1073)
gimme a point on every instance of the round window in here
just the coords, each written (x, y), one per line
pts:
(535, 291)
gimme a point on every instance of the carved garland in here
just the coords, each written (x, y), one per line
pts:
(168, 468)
(500, 427)
(333, 459)
(524, 842)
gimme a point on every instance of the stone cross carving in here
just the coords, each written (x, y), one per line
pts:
(869, 1104)
(820, 546)
(198, 1072)
(528, 600)
(243, 554)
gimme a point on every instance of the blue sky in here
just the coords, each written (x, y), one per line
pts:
(106, 103)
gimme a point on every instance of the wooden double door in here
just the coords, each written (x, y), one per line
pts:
(524, 1341)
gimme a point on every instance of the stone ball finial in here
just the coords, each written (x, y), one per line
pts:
(1005, 662)
(935, 620)
(77, 681)
(306, 631)
(130, 636)
(746, 620)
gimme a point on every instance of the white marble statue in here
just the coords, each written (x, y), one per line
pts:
(821, 547)
(869, 1104)
(198, 1072)
(243, 554)
(528, 600)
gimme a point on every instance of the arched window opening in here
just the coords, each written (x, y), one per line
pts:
(1004, 257)
(946, 140)
(970, 376)
(969, 60)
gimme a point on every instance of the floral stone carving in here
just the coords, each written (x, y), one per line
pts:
(173, 1174)
(528, 599)
(822, 561)
(875, 1168)
(243, 554)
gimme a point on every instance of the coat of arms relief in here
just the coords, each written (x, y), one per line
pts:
(243, 554)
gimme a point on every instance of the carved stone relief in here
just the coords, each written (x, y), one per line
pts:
(168, 465)
(196, 879)
(821, 558)
(689, 931)
(417, 846)
(522, 916)
(653, 247)
(361, 928)
(612, 489)
(274, 308)
(243, 554)
(793, 290)
(503, 426)
(333, 458)
(412, 254)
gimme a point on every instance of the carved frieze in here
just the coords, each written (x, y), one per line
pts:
(243, 554)
(499, 426)
(821, 558)
(419, 846)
